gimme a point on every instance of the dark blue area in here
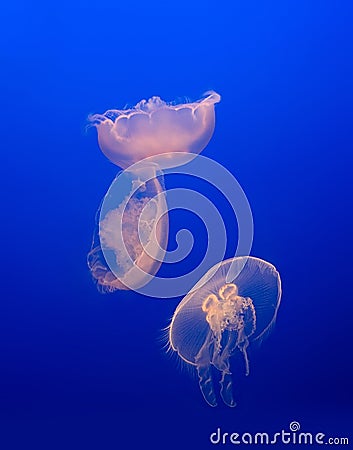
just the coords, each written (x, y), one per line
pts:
(79, 370)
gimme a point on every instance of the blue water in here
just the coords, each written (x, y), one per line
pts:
(79, 370)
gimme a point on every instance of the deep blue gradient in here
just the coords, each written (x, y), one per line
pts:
(79, 370)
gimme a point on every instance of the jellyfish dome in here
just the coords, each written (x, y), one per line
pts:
(154, 128)
(235, 303)
(131, 232)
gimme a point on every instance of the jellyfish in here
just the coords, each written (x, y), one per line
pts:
(131, 232)
(154, 128)
(233, 305)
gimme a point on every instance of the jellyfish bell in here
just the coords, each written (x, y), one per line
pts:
(131, 233)
(254, 278)
(236, 303)
(170, 133)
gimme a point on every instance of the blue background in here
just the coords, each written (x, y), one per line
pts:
(79, 370)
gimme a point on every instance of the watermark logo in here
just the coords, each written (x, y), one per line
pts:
(294, 426)
(292, 436)
(115, 247)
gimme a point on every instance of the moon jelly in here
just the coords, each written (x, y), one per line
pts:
(131, 231)
(156, 128)
(236, 304)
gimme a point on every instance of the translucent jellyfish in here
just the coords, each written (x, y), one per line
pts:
(131, 232)
(236, 304)
(154, 128)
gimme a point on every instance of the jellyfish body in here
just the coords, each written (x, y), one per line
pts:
(155, 128)
(236, 303)
(131, 232)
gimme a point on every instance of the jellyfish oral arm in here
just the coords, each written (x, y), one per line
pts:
(223, 365)
(243, 345)
(204, 371)
(206, 384)
(226, 390)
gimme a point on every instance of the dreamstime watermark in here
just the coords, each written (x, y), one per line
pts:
(292, 436)
(191, 200)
